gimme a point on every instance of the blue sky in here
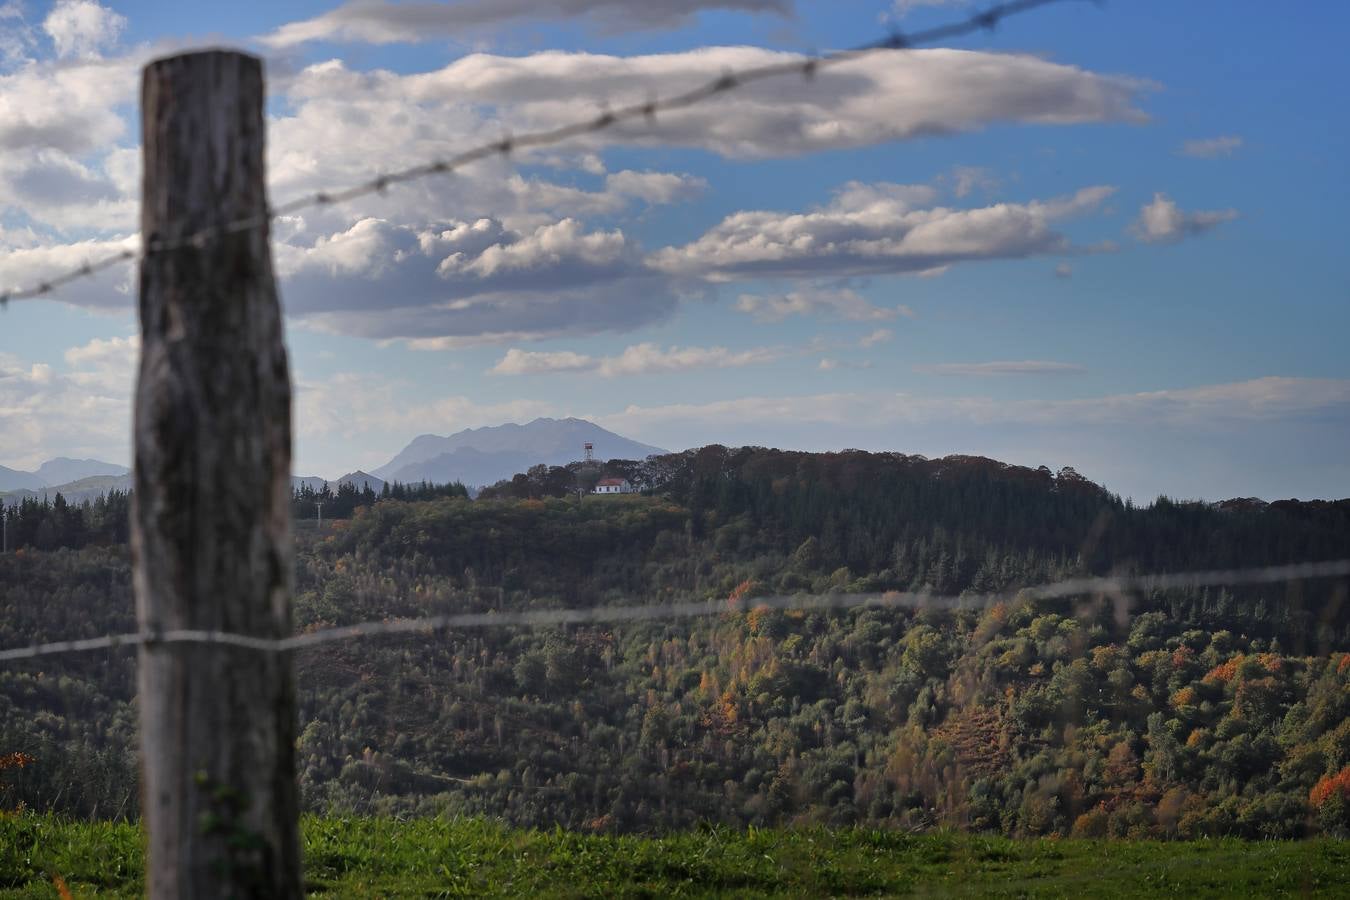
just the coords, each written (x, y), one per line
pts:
(1103, 236)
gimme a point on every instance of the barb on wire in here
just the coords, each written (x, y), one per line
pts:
(695, 608)
(806, 67)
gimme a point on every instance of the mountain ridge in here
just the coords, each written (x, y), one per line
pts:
(485, 455)
(57, 472)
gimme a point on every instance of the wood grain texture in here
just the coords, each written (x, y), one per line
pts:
(211, 539)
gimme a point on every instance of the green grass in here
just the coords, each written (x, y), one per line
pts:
(433, 858)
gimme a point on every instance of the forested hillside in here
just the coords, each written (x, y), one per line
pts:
(1177, 713)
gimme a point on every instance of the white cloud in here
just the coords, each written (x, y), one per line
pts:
(841, 303)
(110, 362)
(1210, 148)
(85, 411)
(1063, 270)
(75, 109)
(16, 35)
(1006, 367)
(880, 336)
(875, 229)
(1163, 222)
(342, 118)
(470, 282)
(829, 364)
(82, 28)
(61, 118)
(968, 179)
(538, 362)
(26, 262)
(638, 359)
(1260, 400)
(546, 247)
(382, 22)
(655, 187)
(382, 267)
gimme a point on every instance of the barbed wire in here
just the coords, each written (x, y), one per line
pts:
(728, 81)
(1110, 585)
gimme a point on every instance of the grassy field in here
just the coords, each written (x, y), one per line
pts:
(430, 858)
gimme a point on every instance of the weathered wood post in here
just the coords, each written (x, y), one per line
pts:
(211, 542)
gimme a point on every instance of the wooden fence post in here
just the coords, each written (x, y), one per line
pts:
(211, 531)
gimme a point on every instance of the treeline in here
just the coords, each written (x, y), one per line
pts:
(859, 505)
(340, 504)
(542, 481)
(1167, 713)
(55, 523)
(51, 524)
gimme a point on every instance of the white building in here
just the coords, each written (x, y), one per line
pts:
(613, 486)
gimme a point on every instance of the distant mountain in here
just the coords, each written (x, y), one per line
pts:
(56, 472)
(90, 488)
(358, 478)
(483, 456)
(313, 482)
(64, 470)
(361, 480)
(18, 480)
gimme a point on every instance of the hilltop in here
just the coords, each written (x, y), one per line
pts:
(483, 456)
(1185, 712)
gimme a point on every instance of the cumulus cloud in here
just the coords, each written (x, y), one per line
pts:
(82, 28)
(386, 267)
(27, 259)
(382, 22)
(1210, 148)
(1163, 222)
(1006, 367)
(485, 280)
(546, 247)
(75, 109)
(114, 354)
(654, 187)
(874, 99)
(470, 282)
(62, 117)
(84, 411)
(639, 359)
(451, 262)
(875, 229)
(840, 303)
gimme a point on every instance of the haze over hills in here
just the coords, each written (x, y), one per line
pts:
(18, 480)
(76, 492)
(474, 456)
(360, 479)
(64, 470)
(95, 486)
(483, 456)
(56, 473)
